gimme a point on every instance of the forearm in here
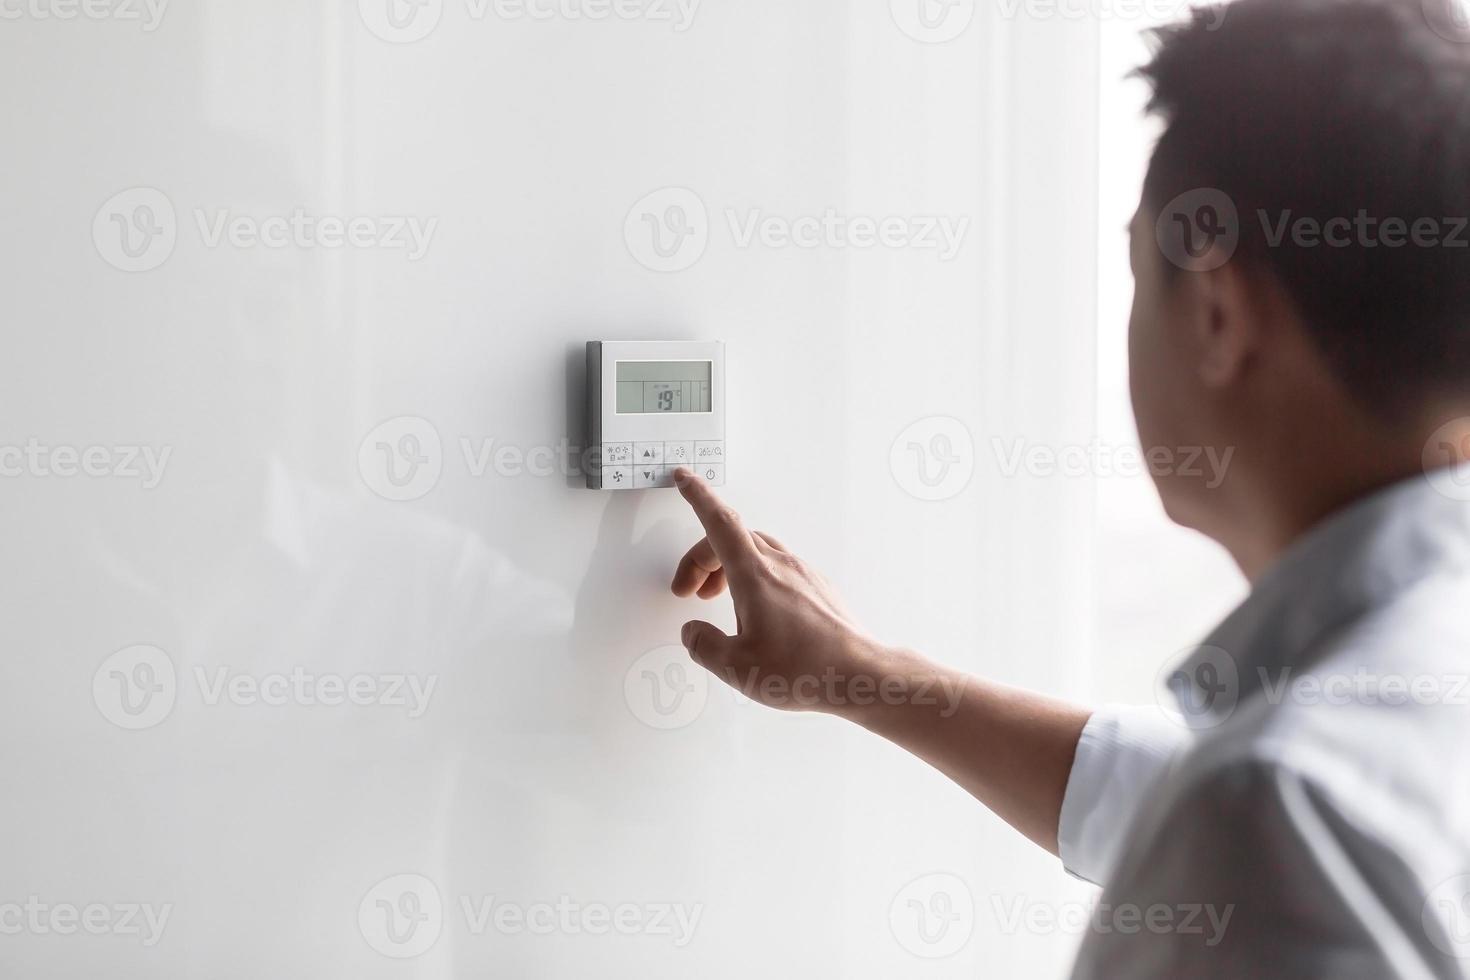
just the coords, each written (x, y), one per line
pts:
(795, 648)
(1010, 749)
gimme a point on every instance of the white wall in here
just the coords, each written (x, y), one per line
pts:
(534, 605)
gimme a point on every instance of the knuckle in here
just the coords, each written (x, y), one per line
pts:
(784, 562)
(727, 516)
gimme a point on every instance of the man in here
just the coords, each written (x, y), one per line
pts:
(1316, 803)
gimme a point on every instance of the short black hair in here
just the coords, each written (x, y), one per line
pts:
(1329, 109)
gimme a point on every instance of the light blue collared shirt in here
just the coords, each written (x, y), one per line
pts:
(1306, 812)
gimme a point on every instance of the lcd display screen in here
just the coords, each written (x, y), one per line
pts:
(664, 387)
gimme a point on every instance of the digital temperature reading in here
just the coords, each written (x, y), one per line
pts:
(664, 386)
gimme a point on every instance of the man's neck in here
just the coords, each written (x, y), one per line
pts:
(1309, 481)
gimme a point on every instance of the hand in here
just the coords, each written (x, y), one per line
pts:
(796, 647)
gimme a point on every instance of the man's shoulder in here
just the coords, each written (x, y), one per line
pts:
(1368, 732)
(1387, 690)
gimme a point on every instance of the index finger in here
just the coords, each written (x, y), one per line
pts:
(733, 545)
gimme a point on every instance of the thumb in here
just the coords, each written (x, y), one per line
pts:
(705, 643)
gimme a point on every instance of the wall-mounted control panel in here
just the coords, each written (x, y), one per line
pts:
(655, 405)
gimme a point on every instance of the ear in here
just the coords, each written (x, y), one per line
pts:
(1225, 323)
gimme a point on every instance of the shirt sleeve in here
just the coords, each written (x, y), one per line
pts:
(1122, 752)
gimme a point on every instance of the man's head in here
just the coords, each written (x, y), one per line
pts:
(1301, 251)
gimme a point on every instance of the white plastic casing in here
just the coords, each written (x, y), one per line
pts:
(640, 451)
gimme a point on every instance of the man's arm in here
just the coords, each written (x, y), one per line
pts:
(797, 648)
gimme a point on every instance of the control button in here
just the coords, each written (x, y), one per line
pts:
(617, 454)
(713, 473)
(645, 477)
(678, 453)
(709, 452)
(648, 454)
(617, 477)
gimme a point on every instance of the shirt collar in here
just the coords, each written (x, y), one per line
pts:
(1356, 560)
